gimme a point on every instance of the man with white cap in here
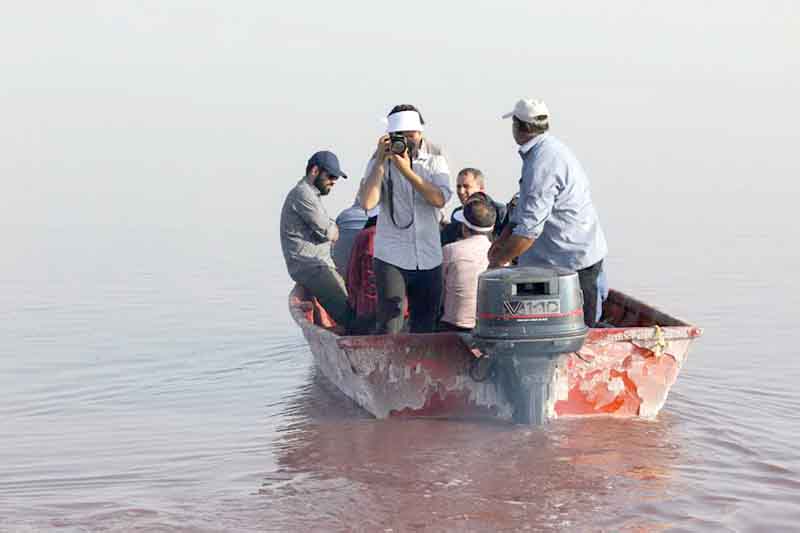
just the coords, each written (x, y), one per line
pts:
(555, 223)
(464, 260)
(410, 180)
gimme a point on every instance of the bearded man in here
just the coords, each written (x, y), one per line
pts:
(307, 233)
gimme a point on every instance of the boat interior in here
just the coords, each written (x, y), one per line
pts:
(619, 311)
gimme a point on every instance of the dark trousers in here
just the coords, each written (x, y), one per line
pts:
(423, 289)
(595, 291)
(327, 286)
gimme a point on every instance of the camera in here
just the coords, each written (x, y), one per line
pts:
(397, 143)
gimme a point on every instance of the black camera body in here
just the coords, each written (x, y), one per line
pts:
(398, 143)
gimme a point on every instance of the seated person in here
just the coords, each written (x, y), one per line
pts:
(361, 291)
(350, 222)
(464, 260)
(307, 233)
(468, 182)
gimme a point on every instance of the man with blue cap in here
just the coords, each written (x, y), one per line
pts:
(307, 233)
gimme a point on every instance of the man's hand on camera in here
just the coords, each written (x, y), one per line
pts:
(402, 163)
(382, 151)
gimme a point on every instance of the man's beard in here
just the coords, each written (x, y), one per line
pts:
(322, 187)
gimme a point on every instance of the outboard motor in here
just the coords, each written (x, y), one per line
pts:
(526, 318)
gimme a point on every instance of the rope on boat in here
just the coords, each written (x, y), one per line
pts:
(661, 342)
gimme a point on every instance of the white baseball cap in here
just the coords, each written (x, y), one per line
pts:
(530, 110)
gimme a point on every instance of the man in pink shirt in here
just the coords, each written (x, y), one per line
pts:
(464, 260)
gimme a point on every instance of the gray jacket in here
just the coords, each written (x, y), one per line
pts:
(305, 230)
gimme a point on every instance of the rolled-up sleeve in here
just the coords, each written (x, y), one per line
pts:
(316, 219)
(440, 176)
(537, 194)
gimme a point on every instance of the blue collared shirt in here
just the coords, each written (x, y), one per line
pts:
(350, 221)
(555, 208)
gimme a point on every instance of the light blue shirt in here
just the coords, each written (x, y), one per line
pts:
(350, 221)
(555, 208)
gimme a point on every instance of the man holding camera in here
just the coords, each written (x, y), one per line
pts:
(409, 178)
(555, 223)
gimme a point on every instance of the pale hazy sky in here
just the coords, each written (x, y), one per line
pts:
(185, 113)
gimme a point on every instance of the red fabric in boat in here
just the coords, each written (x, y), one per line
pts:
(361, 291)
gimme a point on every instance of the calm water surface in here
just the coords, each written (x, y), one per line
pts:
(153, 380)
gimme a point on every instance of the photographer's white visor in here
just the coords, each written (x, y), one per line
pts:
(404, 121)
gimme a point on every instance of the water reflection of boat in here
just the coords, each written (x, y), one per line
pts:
(624, 370)
(337, 471)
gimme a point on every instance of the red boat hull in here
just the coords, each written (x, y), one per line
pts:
(622, 371)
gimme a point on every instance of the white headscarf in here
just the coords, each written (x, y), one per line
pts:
(404, 121)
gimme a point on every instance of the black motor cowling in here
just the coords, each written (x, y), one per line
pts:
(526, 318)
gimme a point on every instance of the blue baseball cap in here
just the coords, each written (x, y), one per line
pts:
(328, 162)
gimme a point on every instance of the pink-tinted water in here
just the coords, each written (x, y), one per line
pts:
(154, 381)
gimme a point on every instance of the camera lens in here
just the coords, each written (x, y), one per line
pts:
(397, 144)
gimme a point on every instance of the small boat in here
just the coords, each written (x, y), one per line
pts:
(625, 369)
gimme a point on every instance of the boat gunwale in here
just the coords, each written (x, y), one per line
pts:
(681, 330)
